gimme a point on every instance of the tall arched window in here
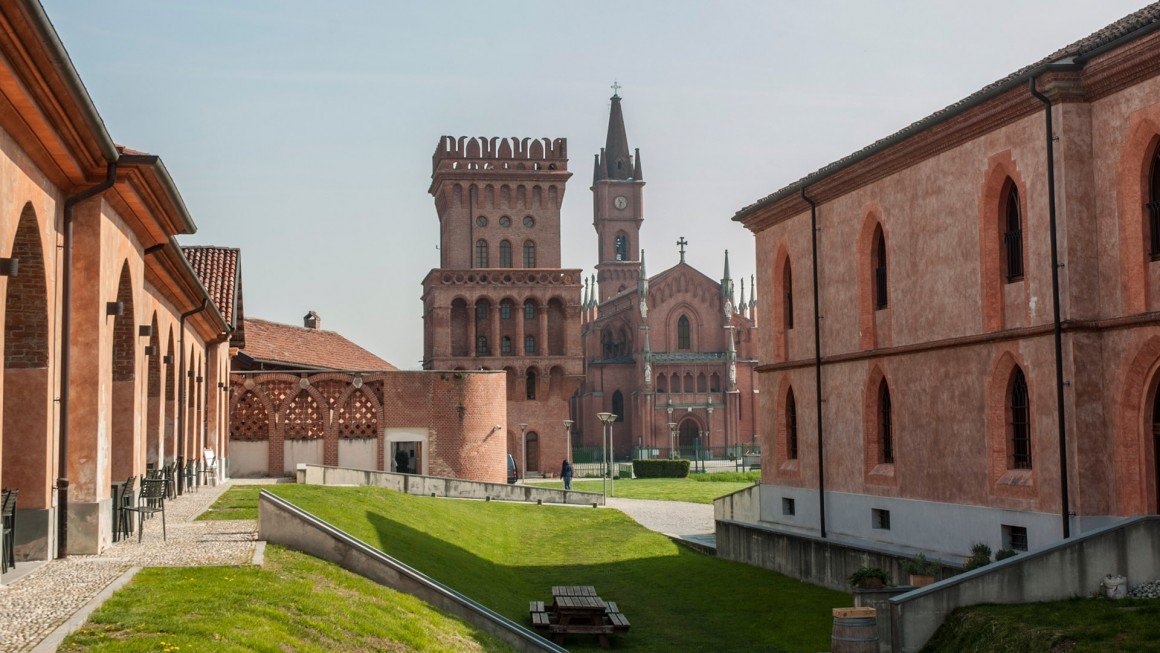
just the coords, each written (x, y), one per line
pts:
(529, 344)
(621, 247)
(481, 345)
(505, 309)
(1154, 208)
(787, 282)
(531, 384)
(885, 426)
(529, 310)
(505, 254)
(684, 339)
(662, 383)
(1019, 425)
(1013, 235)
(529, 254)
(481, 253)
(791, 433)
(879, 263)
(618, 405)
(505, 345)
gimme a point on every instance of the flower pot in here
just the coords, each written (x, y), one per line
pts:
(920, 580)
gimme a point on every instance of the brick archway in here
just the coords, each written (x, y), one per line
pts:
(153, 445)
(1133, 449)
(1132, 181)
(1002, 174)
(123, 449)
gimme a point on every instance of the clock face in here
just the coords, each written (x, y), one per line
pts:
(621, 201)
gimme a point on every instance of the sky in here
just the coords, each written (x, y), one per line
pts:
(302, 131)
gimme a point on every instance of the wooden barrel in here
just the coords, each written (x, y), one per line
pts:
(855, 631)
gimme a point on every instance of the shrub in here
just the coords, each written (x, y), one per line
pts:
(1003, 554)
(728, 477)
(980, 556)
(869, 577)
(677, 468)
(920, 565)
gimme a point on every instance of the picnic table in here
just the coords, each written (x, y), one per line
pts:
(578, 609)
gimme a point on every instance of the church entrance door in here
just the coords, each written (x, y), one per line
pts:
(688, 433)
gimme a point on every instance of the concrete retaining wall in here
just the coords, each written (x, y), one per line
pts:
(1070, 568)
(283, 523)
(443, 487)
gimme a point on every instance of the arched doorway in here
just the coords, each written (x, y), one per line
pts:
(27, 463)
(170, 382)
(533, 451)
(122, 415)
(1156, 448)
(688, 434)
(153, 450)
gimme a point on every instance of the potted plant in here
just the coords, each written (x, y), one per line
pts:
(869, 578)
(922, 570)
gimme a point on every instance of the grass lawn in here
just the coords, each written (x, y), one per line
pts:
(238, 502)
(505, 554)
(294, 603)
(697, 488)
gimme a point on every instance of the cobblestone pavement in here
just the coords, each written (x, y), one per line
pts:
(669, 517)
(35, 605)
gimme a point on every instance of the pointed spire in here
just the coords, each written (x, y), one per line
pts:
(741, 302)
(584, 303)
(618, 164)
(752, 292)
(636, 172)
(597, 170)
(726, 265)
(643, 273)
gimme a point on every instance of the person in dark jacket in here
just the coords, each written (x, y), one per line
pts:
(401, 460)
(566, 474)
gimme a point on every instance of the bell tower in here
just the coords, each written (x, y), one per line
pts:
(617, 207)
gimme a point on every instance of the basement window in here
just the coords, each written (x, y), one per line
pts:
(788, 506)
(880, 518)
(1015, 537)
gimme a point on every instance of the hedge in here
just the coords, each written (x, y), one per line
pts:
(660, 468)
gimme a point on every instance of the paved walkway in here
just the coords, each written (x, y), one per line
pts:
(34, 606)
(688, 521)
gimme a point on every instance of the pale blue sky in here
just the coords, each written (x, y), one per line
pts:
(302, 132)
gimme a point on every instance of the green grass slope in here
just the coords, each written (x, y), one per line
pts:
(701, 488)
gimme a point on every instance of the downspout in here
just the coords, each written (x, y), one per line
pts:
(65, 358)
(181, 394)
(1065, 511)
(817, 365)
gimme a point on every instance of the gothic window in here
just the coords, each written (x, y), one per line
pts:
(675, 383)
(505, 254)
(529, 344)
(531, 384)
(1019, 424)
(1013, 235)
(885, 426)
(1154, 208)
(621, 247)
(529, 310)
(481, 345)
(702, 383)
(684, 339)
(505, 310)
(787, 282)
(505, 345)
(689, 382)
(663, 384)
(481, 253)
(715, 383)
(529, 254)
(879, 264)
(618, 405)
(791, 431)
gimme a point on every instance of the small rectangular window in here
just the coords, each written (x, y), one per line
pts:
(788, 507)
(880, 518)
(1015, 537)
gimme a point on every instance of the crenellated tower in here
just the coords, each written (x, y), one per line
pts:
(618, 209)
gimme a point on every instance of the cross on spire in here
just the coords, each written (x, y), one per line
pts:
(615, 89)
(681, 242)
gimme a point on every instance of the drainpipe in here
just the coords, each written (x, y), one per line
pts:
(181, 394)
(1065, 511)
(817, 365)
(65, 358)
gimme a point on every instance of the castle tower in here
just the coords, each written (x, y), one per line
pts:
(618, 208)
(499, 299)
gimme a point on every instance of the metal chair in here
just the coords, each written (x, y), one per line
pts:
(125, 525)
(170, 475)
(9, 529)
(190, 476)
(150, 502)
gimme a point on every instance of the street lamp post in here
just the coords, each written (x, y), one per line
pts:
(709, 429)
(606, 419)
(672, 440)
(568, 439)
(523, 453)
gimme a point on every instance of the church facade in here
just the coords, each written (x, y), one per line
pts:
(673, 355)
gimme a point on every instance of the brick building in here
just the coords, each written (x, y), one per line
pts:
(675, 349)
(499, 299)
(943, 405)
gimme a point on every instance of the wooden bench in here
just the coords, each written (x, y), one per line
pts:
(541, 620)
(618, 621)
(578, 610)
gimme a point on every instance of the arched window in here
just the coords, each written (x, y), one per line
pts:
(715, 382)
(481, 253)
(879, 263)
(481, 345)
(1019, 427)
(529, 344)
(505, 254)
(702, 383)
(787, 278)
(618, 405)
(791, 431)
(529, 310)
(1154, 208)
(684, 339)
(1013, 235)
(505, 345)
(674, 383)
(505, 309)
(621, 247)
(529, 254)
(690, 383)
(663, 383)
(885, 426)
(531, 384)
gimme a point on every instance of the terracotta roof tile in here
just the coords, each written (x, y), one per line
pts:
(309, 348)
(220, 271)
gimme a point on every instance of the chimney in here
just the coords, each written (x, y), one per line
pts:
(312, 321)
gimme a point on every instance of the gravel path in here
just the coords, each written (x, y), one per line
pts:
(35, 605)
(668, 517)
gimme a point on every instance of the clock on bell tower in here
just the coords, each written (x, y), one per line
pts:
(618, 211)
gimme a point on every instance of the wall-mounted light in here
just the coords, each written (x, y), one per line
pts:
(199, 379)
(9, 267)
(189, 374)
(167, 359)
(150, 350)
(115, 309)
(145, 330)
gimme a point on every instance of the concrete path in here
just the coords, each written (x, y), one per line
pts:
(687, 521)
(34, 606)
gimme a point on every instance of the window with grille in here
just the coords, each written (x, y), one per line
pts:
(788, 506)
(505, 254)
(505, 310)
(529, 344)
(880, 299)
(481, 345)
(529, 254)
(885, 426)
(791, 430)
(880, 518)
(481, 253)
(529, 311)
(1013, 236)
(684, 337)
(1015, 537)
(1020, 425)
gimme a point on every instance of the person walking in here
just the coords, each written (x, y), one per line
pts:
(566, 474)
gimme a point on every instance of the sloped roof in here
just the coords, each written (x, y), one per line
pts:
(274, 342)
(220, 271)
(1144, 19)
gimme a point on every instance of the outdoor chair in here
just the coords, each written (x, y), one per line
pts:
(169, 475)
(122, 525)
(150, 502)
(190, 476)
(9, 529)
